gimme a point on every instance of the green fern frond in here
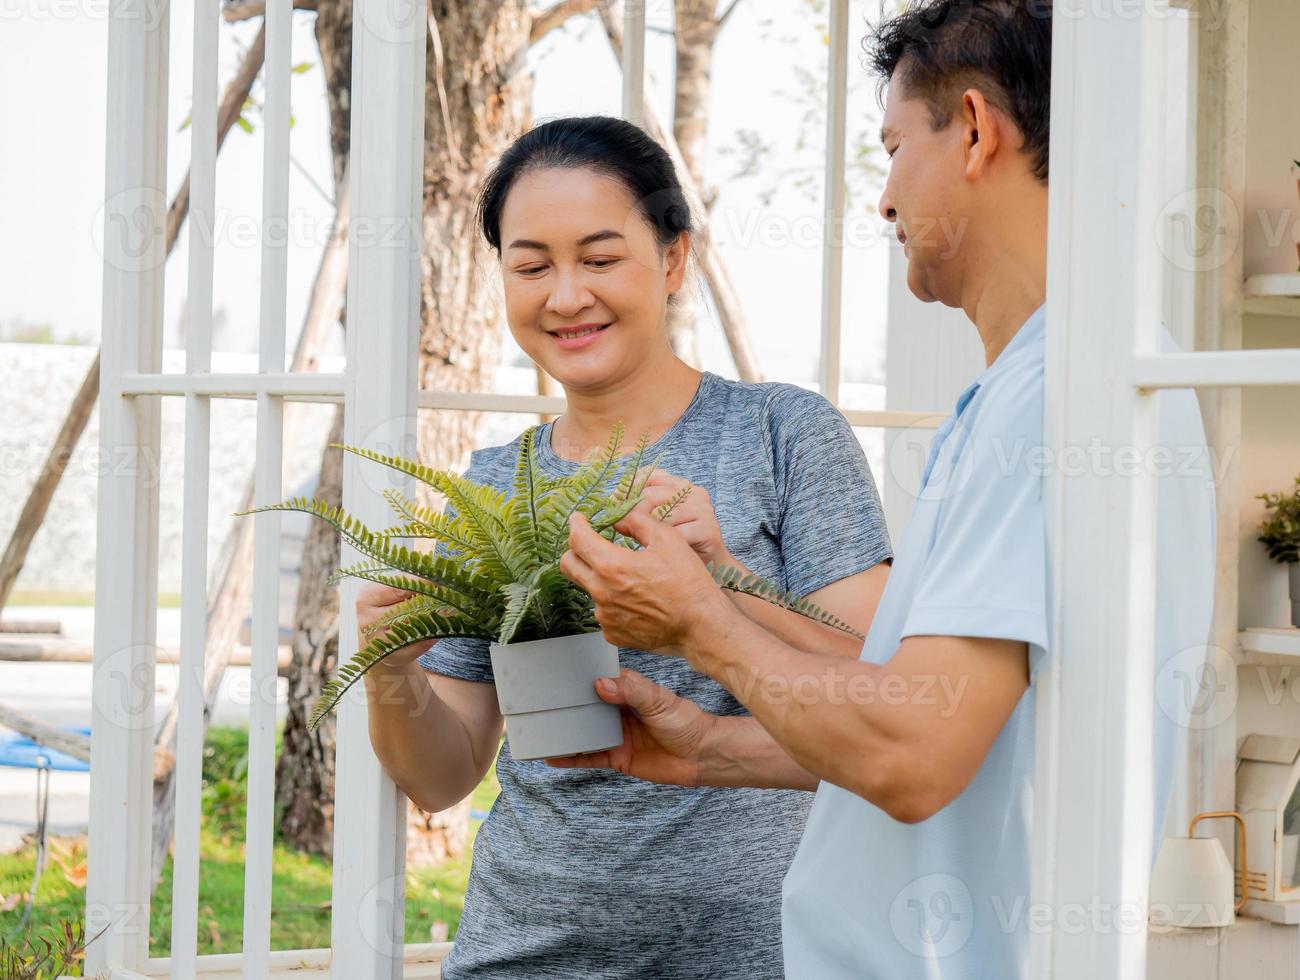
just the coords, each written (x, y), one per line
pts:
(517, 596)
(624, 488)
(582, 490)
(479, 607)
(527, 486)
(734, 580)
(403, 610)
(672, 503)
(419, 627)
(419, 471)
(421, 522)
(482, 510)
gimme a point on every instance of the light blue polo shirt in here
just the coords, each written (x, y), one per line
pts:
(870, 898)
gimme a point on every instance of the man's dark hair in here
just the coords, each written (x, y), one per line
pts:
(939, 48)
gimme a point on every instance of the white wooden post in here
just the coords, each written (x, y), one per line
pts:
(380, 412)
(268, 466)
(833, 203)
(1220, 169)
(634, 61)
(194, 543)
(1093, 800)
(126, 574)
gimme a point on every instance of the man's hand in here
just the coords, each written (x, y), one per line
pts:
(654, 599)
(663, 734)
(693, 518)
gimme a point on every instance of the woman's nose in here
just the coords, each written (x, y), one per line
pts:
(569, 296)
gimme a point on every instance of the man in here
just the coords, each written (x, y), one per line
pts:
(915, 859)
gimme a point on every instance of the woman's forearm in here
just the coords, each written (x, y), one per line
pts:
(422, 743)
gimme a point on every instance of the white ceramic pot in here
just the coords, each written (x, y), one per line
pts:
(547, 692)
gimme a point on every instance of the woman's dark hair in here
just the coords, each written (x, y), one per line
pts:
(938, 48)
(612, 147)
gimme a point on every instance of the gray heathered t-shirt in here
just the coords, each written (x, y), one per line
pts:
(593, 874)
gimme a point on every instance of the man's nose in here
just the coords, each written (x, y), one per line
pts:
(885, 206)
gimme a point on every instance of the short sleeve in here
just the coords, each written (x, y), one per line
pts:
(986, 572)
(831, 524)
(460, 657)
(463, 657)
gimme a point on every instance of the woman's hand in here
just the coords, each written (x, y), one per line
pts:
(693, 518)
(663, 734)
(374, 602)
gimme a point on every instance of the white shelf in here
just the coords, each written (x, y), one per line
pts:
(1275, 294)
(1263, 645)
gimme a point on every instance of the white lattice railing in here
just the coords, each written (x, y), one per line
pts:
(1097, 388)
(380, 397)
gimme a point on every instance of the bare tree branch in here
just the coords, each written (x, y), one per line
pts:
(545, 21)
(248, 9)
(62, 740)
(439, 77)
(731, 7)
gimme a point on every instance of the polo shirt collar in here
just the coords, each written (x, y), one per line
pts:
(1032, 330)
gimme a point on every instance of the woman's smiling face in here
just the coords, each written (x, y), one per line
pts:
(586, 281)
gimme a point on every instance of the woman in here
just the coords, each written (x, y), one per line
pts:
(582, 873)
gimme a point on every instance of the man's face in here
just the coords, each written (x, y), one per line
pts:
(923, 194)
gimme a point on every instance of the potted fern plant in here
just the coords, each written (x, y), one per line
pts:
(1280, 533)
(494, 575)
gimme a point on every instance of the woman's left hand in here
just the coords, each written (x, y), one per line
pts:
(693, 517)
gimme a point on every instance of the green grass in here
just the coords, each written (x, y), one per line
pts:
(300, 882)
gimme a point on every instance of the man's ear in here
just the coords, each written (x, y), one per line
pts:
(981, 132)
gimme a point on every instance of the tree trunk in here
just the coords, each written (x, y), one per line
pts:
(696, 28)
(477, 101)
(487, 106)
(304, 773)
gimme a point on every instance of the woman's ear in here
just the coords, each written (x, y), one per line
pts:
(675, 262)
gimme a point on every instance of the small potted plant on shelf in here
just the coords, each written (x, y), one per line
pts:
(1280, 533)
(495, 575)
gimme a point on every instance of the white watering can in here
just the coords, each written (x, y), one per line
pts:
(1192, 883)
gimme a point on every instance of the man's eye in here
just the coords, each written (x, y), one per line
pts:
(531, 270)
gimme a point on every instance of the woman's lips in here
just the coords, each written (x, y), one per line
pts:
(574, 338)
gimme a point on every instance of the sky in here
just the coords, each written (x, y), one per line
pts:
(53, 68)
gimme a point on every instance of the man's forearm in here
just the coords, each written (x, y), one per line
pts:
(740, 752)
(797, 630)
(821, 710)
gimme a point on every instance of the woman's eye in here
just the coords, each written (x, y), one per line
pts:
(601, 263)
(532, 270)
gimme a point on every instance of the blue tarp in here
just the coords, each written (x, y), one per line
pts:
(21, 752)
